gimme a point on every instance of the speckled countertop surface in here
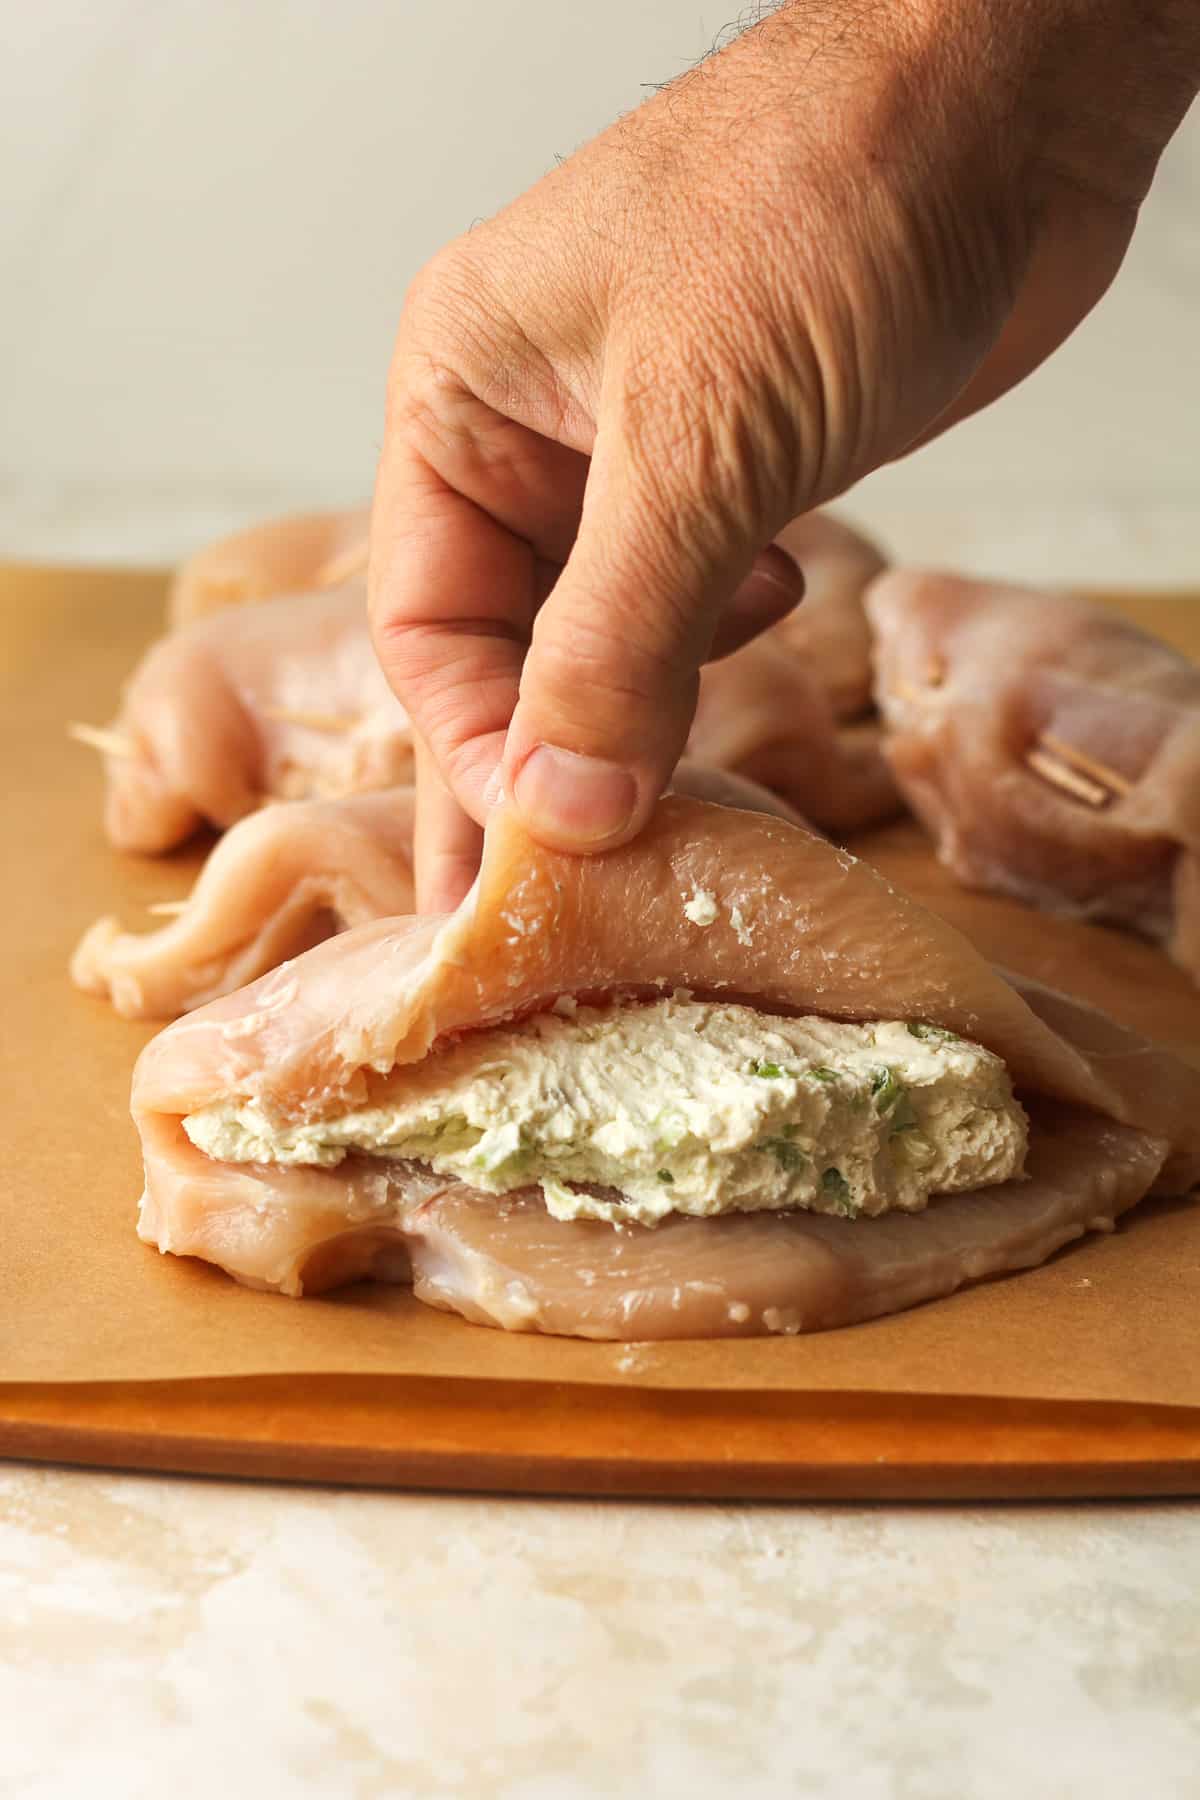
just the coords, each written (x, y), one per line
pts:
(163, 1636)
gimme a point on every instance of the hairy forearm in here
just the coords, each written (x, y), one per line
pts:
(1099, 85)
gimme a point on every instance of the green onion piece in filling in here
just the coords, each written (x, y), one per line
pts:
(835, 1187)
(918, 1029)
(892, 1101)
(768, 1070)
(885, 1087)
(820, 1073)
(666, 1176)
(904, 1113)
(785, 1153)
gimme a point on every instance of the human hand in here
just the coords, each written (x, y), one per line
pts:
(846, 230)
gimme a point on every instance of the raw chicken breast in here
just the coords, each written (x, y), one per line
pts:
(763, 713)
(282, 880)
(699, 781)
(284, 700)
(293, 555)
(1051, 747)
(307, 551)
(512, 1265)
(830, 632)
(289, 1231)
(795, 925)
(788, 709)
(507, 1262)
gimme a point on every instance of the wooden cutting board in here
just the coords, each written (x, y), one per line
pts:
(568, 1437)
(536, 1439)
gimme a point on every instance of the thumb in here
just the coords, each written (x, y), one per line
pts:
(609, 685)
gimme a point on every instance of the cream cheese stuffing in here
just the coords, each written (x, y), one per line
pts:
(675, 1106)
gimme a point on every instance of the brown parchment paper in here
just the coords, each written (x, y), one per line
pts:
(81, 1300)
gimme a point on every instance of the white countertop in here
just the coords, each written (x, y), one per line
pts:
(200, 1638)
(190, 1638)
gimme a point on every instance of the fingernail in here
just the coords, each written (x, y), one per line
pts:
(779, 566)
(575, 800)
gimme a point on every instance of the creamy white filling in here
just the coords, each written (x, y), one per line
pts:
(677, 1105)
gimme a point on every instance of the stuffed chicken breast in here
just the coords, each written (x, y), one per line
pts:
(723, 1080)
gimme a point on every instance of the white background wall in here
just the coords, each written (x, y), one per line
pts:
(209, 210)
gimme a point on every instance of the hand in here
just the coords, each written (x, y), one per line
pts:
(843, 232)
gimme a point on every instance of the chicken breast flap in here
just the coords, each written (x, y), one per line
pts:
(727, 1022)
(784, 711)
(280, 881)
(727, 904)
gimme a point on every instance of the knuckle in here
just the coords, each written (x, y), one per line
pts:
(446, 341)
(477, 340)
(430, 405)
(715, 437)
(456, 690)
(442, 289)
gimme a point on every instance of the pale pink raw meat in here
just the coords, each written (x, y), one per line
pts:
(280, 881)
(293, 555)
(1052, 749)
(306, 551)
(786, 711)
(722, 787)
(763, 712)
(506, 1262)
(284, 879)
(789, 709)
(829, 632)
(801, 927)
(290, 1231)
(509, 1263)
(283, 700)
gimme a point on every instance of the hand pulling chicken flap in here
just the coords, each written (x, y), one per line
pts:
(703, 1084)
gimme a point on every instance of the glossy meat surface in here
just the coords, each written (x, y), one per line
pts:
(293, 555)
(285, 878)
(789, 709)
(510, 1264)
(764, 714)
(307, 551)
(1051, 748)
(829, 632)
(800, 926)
(785, 711)
(288, 1231)
(280, 881)
(283, 700)
(507, 1263)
